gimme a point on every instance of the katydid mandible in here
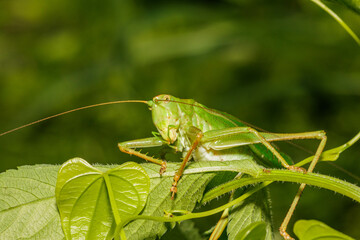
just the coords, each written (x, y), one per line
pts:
(206, 134)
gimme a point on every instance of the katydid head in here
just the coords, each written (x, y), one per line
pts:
(166, 116)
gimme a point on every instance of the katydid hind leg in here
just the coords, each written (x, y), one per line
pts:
(219, 143)
(291, 210)
(130, 146)
(240, 136)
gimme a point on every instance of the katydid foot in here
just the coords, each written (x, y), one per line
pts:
(162, 168)
(285, 235)
(173, 188)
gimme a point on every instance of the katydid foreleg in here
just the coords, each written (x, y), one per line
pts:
(198, 135)
(129, 146)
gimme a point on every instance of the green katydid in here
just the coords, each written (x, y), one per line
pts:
(206, 134)
(209, 135)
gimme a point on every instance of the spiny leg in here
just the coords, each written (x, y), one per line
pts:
(240, 136)
(301, 189)
(129, 148)
(217, 140)
(198, 135)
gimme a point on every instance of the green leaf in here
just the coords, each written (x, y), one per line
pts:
(316, 230)
(190, 191)
(254, 231)
(27, 203)
(91, 202)
(251, 219)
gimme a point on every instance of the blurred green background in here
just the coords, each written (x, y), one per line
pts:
(285, 66)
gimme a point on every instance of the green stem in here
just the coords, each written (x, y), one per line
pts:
(338, 19)
(319, 180)
(197, 215)
(353, 140)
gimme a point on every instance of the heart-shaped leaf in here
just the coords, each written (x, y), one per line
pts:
(92, 202)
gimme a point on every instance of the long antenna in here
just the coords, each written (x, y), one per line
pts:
(70, 111)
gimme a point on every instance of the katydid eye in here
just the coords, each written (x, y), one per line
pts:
(166, 98)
